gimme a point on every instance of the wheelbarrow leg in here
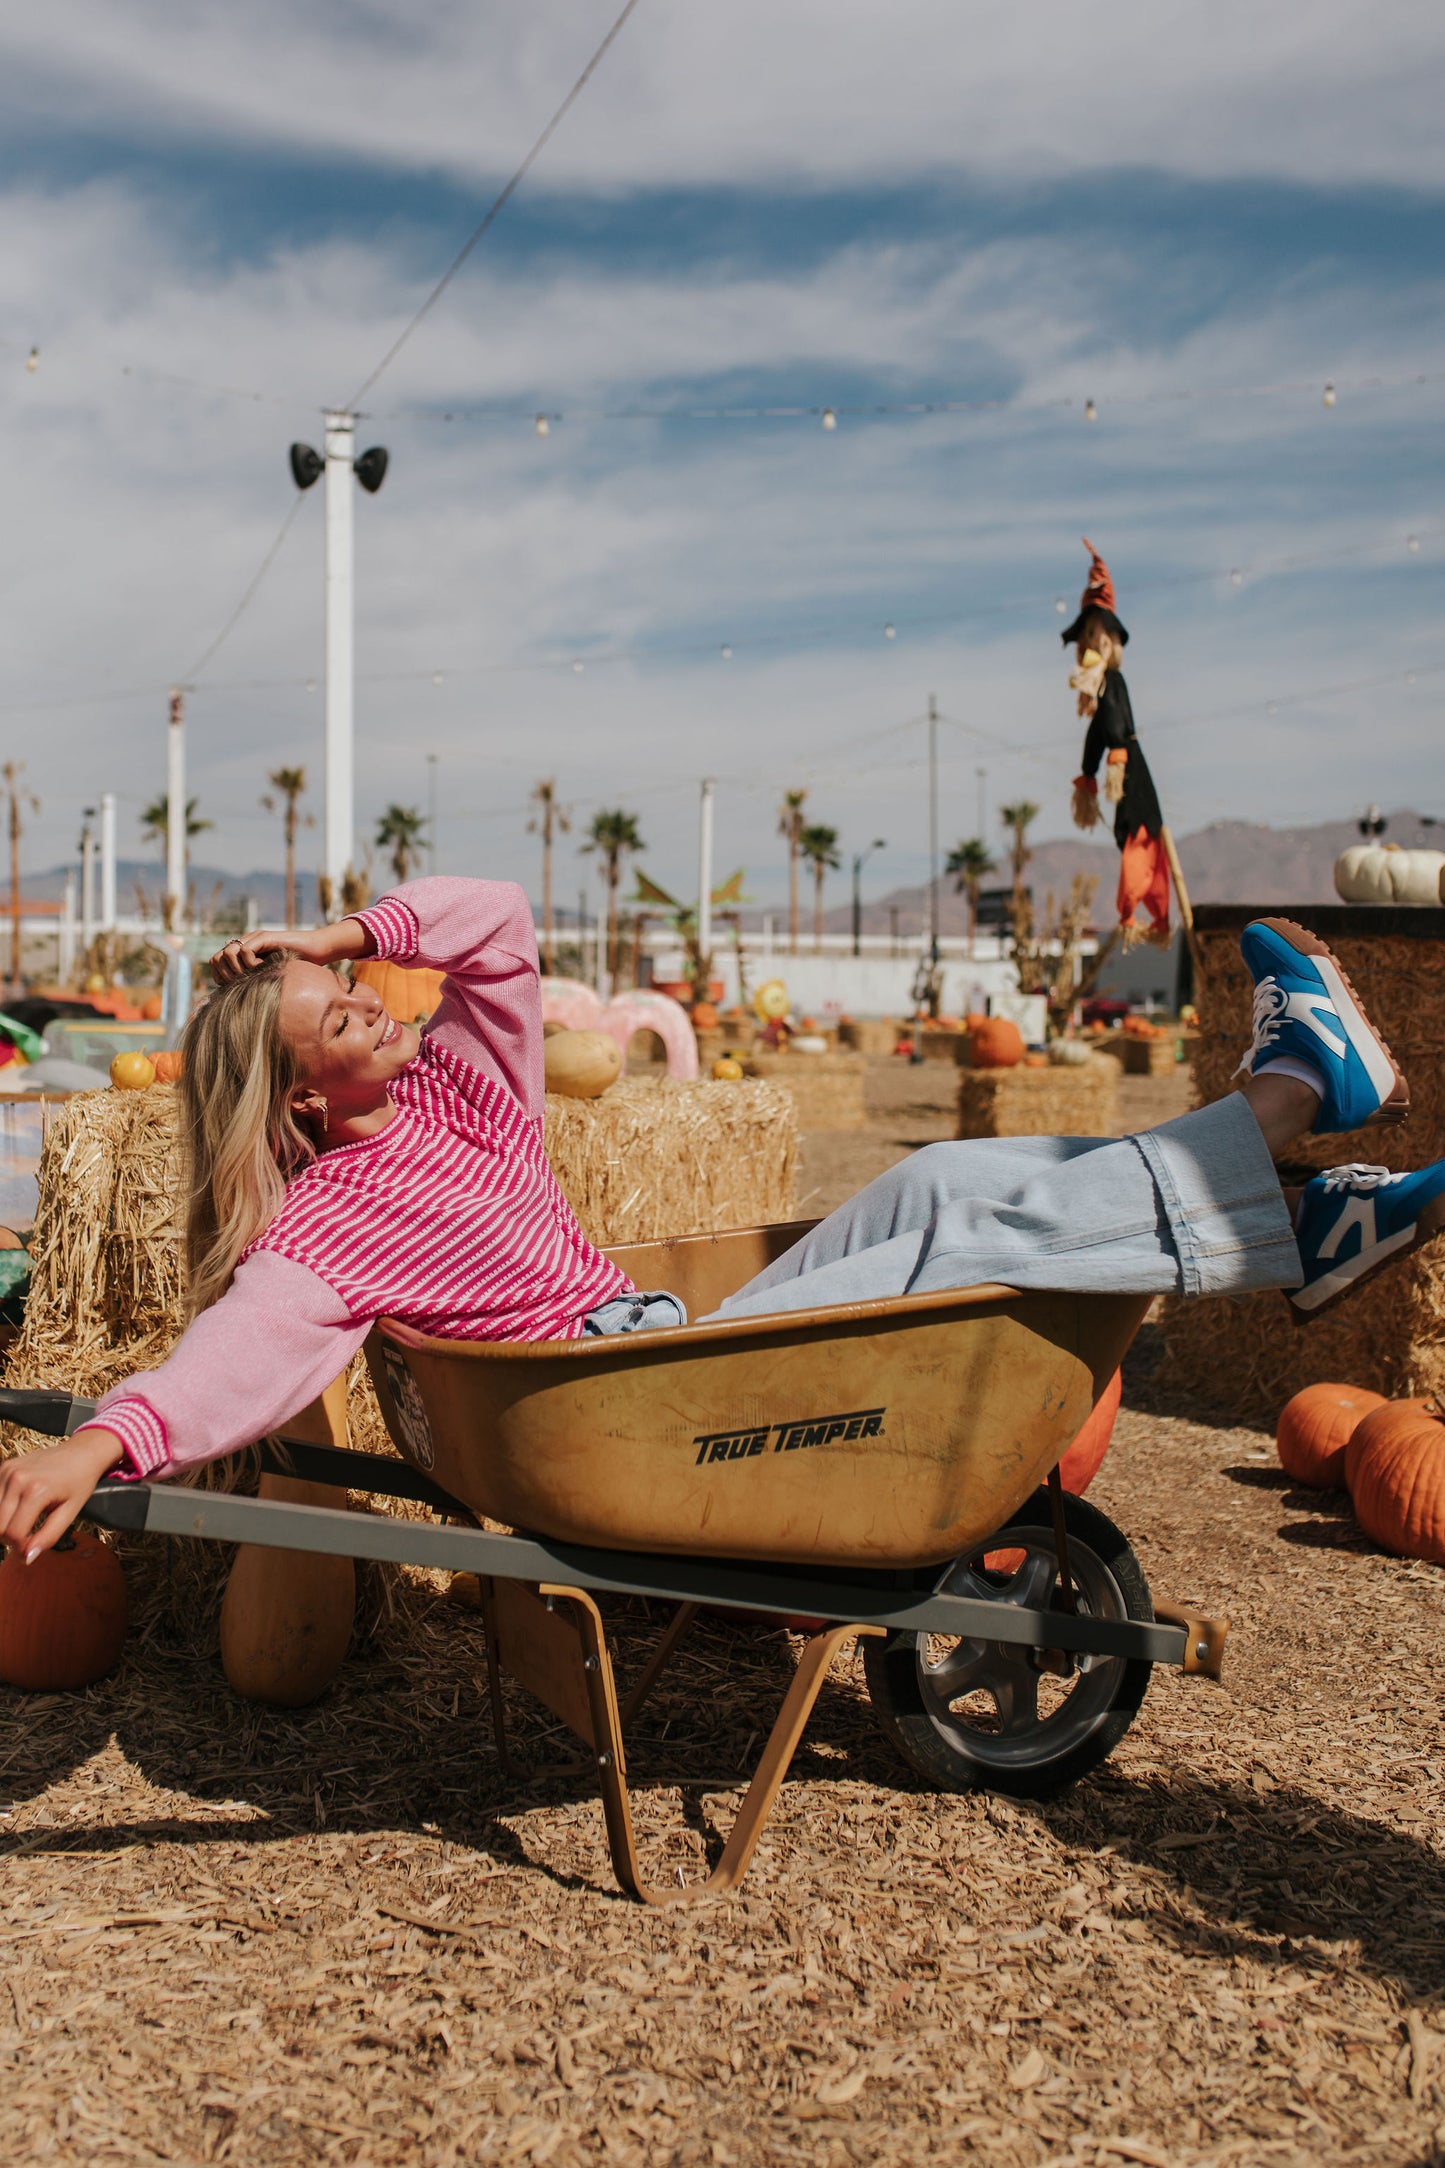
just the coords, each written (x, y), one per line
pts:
(788, 1729)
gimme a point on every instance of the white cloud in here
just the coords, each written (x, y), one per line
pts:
(812, 90)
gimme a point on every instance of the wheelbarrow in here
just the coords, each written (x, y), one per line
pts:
(889, 1470)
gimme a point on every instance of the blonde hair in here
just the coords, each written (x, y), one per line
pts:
(244, 1140)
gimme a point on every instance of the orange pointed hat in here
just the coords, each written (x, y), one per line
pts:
(1096, 600)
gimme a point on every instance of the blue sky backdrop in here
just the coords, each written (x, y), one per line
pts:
(215, 220)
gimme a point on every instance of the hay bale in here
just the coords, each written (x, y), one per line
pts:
(654, 1158)
(1247, 1355)
(1078, 1100)
(826, 1089)
(868, 1034)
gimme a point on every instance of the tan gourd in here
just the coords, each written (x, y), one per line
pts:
(1383, 873)
(287, 1616)
(581, 1064)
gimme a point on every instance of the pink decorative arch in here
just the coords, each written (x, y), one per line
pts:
(641, 1010)
(570, 1003)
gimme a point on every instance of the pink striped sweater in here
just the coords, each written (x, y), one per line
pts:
(449, 1218)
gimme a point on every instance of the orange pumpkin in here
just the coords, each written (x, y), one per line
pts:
(410, 996)
(62, 1619)
(1395, 1462)
(704, 1016)
(168, 1067)
(1314, 1429)
(1036, 1061)
(996, 1043)
(150, 1009)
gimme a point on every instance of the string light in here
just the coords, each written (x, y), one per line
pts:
(438, 677)
(1412, 544)
(1236, 577)
(727, 652)
(542, 426)
(576, 669)
(890, 632)
(830, 419)
(311, 685)
(1091, 412)
(1329, 395)
(1061, 606)
(32, 360)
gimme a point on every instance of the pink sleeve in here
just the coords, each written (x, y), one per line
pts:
(274, 1341)
(480, 933)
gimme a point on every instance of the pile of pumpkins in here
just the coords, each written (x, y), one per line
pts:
(137, 1072)
(1388, 1454)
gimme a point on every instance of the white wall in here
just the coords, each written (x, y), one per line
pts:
(847, 985)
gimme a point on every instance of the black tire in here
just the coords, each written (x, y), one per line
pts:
(1016, 1748)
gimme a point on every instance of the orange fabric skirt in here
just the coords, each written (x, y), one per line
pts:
(1144, 878)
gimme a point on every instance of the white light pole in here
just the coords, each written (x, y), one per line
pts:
(107, 862)
(704, 881)
(340, 817)
(176, 811)
(339, 465)
(87, 881)
(65, 954)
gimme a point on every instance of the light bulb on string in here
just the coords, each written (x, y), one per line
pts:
(311, 685)
(727, 651)
(1329, 395)
(1412, 544)
(438, 677)
(1409, 677)
(890, 632)
(32, 360)
(576, 669)
(1061, 606)
(1236, 577)
(542, 426)
(830, 419)
(1273, 708)
(1091, 412)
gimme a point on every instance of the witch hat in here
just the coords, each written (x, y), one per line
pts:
(1097, 600)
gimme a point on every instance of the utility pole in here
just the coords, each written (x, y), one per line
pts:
(175, 903)
(11, 773)
(859, 859)
(704, 884)
(340, 816)
(932, 829)
(431, 812)
(87, 881)
(982, 775)
(339, 465)
(107, 861)
(65, 947)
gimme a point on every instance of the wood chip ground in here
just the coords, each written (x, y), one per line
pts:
(340, 1935)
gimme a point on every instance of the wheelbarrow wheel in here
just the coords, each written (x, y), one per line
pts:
(987, 1715)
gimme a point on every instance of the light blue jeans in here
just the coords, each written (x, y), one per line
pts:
(1193, 1208)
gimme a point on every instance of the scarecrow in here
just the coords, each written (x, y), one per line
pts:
(1110, 742)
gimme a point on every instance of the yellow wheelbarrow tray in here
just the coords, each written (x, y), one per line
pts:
(886, 1469)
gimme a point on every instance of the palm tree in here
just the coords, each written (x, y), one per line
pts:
(155, 826)
(547, 822)
(289, 784)
(612, 835)
(790, 828)
(819, 846)
(970, 865)
(401, 827)
(1016, 819)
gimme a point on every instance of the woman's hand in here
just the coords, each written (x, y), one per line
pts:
(41, 1493)
(343, 942)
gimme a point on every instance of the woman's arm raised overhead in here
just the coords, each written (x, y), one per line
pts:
(480, 933)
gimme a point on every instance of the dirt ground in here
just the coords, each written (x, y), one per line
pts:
(341, 1935)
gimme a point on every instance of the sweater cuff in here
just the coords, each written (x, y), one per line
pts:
(394, 928)
(141, 1432)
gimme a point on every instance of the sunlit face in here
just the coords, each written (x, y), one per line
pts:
(348, 1047)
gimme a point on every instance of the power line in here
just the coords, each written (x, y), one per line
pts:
(253, 588)
(497, 206)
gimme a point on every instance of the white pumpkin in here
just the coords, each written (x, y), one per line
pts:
(581, 1064)
(1383, 873)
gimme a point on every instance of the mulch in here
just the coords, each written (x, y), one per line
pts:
(342, 1934)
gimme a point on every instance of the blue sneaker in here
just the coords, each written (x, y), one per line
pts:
(1306, 1008)
(1353, 1221)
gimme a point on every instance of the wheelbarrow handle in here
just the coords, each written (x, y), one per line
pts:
(40, 1407)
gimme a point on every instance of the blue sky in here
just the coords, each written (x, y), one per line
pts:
(800, 205)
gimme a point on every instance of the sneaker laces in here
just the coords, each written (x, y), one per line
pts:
(1270, 1004)
(1357, 1178)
